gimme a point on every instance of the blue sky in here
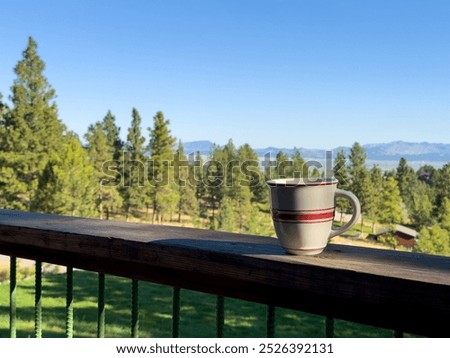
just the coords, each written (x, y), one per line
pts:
(315, 74)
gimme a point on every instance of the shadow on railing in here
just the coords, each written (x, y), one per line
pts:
(400, 291)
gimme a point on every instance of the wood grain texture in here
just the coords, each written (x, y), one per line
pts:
(403, 291)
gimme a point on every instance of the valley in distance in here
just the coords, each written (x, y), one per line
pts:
(385, 155)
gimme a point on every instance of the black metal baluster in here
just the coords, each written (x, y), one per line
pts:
(329, 327)
(101, 306)
(38, 301)
(176, 312)
(134, 308)
(270, 321)
(220, 316)
(12, 297)
(69, 302)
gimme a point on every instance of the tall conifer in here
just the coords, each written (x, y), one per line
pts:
(341, 173)
(106, 169)
(391, 203)
(30, 133)
(113, 136)
(183, 175)
(134, 168)
(283, 167)
(163, 190)
(67, 185)
(360, 178)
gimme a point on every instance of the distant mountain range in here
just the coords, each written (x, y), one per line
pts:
(417, 152)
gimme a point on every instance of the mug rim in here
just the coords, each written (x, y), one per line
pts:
(294, 182)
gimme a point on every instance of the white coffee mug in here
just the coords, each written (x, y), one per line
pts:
(303, 212)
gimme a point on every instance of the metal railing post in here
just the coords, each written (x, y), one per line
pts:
(220, 316)
(38, 301)
(176, 312)
(12, 296)
(101, 306)
(134, 308)
(69, 302)
(270, 321)
(329, 327)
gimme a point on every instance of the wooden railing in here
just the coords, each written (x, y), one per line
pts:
(402, 291)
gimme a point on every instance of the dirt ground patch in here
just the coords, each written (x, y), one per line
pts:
(24, 263)
(358, 242)
(4, 262)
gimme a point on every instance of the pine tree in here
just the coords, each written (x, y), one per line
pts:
(252, 175)
(10, 187)
(30, 133)
(168, 199)
(233, 177)
(374, 209)
(391, 203)
(3, 110)
(406, 178)
(444, 217)
(358, 173)
(360, 179)
(236, 182)
(214, 178)
(33, 104)
(407, 183)
(259, 223)
(441, 183)
(227, 216)
(433, 240)
(230, 162)
(187, 202)
(163, 190)
(421, 208)
(67, 185)
(315, 173)
(113, 136)
(106, 169)
(241, 197)
(116, 151)
(341, 173)
(134, 168)
(283, 167)
(199, 180)
(390, 211)
(299, 167)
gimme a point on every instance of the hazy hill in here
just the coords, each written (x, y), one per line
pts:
(410, 151)
(422, 152)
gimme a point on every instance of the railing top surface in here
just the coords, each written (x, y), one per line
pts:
(384, 263)
(399, 290)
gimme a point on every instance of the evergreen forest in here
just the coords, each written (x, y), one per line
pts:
(45, 167)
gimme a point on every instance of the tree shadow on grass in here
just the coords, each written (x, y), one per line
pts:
(197, 312)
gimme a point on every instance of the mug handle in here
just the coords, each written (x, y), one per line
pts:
(356, 211)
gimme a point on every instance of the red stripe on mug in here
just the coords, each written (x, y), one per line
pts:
(302, 217)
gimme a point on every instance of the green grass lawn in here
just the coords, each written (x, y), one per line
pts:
(242, 318)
